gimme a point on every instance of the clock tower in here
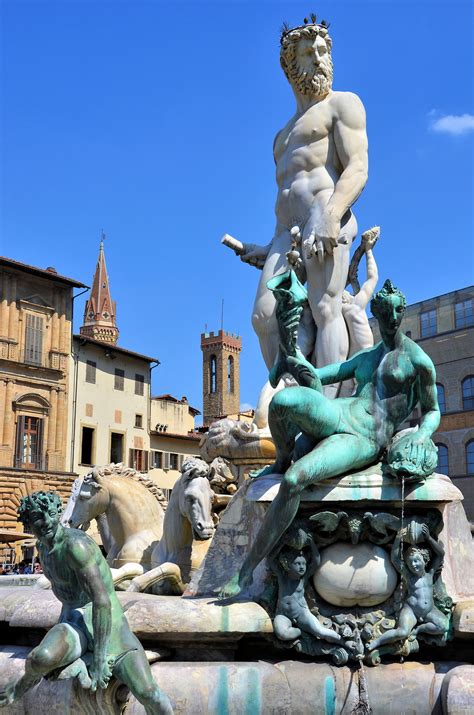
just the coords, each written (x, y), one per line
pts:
(99, 313)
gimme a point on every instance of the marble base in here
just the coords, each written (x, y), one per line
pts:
(369, 488)
(260, 688)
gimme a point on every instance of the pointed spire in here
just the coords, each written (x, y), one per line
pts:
(99, 313)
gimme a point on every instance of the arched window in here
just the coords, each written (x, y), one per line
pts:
(443, 459)
(470, 457)
(212, 374)
(441, 398)
(230, 374)
(468, 393)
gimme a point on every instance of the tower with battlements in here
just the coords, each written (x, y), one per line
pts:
(221, 375)
(99, 313)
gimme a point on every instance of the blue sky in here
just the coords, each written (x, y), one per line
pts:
(155, 121)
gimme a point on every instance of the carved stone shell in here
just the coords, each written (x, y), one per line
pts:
(355, 575)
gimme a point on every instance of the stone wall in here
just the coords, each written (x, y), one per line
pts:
(17, 483)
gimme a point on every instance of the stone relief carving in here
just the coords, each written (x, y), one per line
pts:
(372, 585)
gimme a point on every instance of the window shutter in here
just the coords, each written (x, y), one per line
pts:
(90, 371)
(145, 461)
(130, 459)
(166, 460)
(39, 445)
(180, 461)
(20, 432)
(33, 339)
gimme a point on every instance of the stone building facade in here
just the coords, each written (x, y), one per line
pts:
(35, 345)
(110, 388)
(172, 438)
(221, 375)
(444, 327)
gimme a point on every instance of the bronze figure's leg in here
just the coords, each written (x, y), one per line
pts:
(61, 646)
(283, 628)
(134, 671)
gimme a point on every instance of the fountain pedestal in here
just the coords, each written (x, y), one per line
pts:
(364, 491)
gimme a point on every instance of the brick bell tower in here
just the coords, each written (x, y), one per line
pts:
(221, 375)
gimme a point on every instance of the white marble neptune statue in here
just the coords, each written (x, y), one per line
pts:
(321, 168)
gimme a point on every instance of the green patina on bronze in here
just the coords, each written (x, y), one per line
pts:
(92, 641)
(317, 438)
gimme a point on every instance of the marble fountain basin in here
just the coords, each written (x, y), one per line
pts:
(355, 575)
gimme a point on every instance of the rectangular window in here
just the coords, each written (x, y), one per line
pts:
(90, 371)
(139, 460)
(29, 443)
(139, 384)
(34, 339)
(139, 421)
(116, 447)
(156, 459)
(174, 462)
(119, 379)
(464, 313)
(428, 324)
(87, 445)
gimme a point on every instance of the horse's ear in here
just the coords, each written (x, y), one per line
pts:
(188, 476)
(93, 479)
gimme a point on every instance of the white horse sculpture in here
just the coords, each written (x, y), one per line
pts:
(188, 521)
(129, 509)
(164, 560)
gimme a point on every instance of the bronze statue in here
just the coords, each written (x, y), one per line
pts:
(92, 627)
(317, 438)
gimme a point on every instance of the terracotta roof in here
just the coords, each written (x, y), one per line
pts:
(42, 272)
(114, 348)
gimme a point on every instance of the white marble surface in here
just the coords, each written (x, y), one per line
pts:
(355, 575)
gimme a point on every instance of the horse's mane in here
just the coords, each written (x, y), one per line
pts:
(120, 470)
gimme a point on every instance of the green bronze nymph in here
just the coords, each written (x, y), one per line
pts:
(317, 438)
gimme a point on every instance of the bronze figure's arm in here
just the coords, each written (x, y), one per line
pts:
(92, 581)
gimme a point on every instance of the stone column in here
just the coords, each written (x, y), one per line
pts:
(3, 396)
(52, 421)
(55, 322)
(4, 312)
(60, 425)
(63, 336)
(13, 313)
(8, 415)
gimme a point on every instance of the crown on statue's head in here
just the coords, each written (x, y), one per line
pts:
(320, 27)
